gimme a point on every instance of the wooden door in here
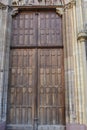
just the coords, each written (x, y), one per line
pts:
(36, 77)
(50, 87)
(21, 89)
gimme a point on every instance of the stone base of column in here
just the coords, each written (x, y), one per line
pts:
(2, 125)
(75, 127)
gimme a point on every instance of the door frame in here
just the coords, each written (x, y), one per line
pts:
(16, 10)
(40, 9)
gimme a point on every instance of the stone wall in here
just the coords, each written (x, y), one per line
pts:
(4, 1)
(85, 13)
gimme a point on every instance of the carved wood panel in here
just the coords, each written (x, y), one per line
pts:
(24, 29)
(36, 81)
(21, 87)
(49, 29)
(37, 29)
(51, 87)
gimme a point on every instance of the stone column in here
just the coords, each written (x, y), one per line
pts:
(69, 62)
(74, 68)
(82, 98)
(85, 28)
(3, 17)
(4, 61)
(83, 75)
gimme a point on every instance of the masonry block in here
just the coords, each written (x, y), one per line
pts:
(2, 125)
(75, 127)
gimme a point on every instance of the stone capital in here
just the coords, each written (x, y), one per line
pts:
(15, 11)
(2, 6)
(82, 36)
(70, 4)
(60, 11)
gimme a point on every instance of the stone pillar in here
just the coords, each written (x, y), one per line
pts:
(4, 61)
(82, 98)
(85, 30)
(83, 75)
(85, 14)
(74, 70)
(69, 63)
(3, 13)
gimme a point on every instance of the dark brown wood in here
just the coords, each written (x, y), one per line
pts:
(21, 87)
(24, 29)
(51, 87)
(36, 85)
(48, 28)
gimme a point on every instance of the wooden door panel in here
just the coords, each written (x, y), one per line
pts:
(21, 87)
(49, 29)
(24, 29)
(36, 81)
(44, 29)
(50, 87)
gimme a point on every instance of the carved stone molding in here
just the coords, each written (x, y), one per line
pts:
(15, 11)
(2, 5)
(36, 2)
(82, 36)
(70, 4)
(60, 11)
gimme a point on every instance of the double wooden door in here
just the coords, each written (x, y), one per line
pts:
(36, 81)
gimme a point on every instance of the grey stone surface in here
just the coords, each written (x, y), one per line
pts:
(75, 127)
(2, 125)
(5, 30)
(85, 14)
(51, 127)
(4, 1)
(86, 50)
